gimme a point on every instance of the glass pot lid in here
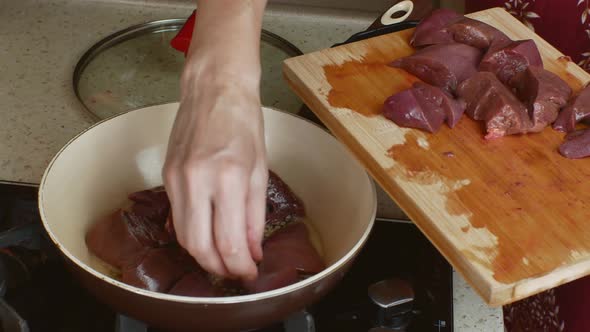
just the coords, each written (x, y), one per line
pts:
(136, 67)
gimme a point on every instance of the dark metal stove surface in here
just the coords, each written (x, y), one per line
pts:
(40, 295)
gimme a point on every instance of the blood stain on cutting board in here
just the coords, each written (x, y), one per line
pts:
(350, 76)
(525, 196)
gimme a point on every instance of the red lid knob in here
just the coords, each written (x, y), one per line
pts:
(182, 40)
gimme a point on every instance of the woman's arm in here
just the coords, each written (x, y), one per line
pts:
(216, 170)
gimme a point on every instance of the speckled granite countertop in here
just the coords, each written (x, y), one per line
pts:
(41, 42)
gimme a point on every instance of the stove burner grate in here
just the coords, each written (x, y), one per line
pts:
(300, 321)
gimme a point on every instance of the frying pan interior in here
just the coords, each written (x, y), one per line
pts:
(95, 171)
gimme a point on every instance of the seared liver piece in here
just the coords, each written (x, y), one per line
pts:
(287, 253)
(489, 100)
(476, 33)
(409, 109)
(151, 203)
(111, 240)
(444, 65)
(577, 109)
(121, 238)
(159, 269)
(543, 93)
(282, 204)
(576, 145)
(140, 242)
(506, 59)
(196, 284)
(432, 29)
(149, 231)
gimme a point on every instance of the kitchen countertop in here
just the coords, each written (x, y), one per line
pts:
(42, 41)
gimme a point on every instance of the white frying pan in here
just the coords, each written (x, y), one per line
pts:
(95, 171)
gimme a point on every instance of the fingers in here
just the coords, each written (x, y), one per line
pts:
(256, 212)
(192, 214)
(230, 222)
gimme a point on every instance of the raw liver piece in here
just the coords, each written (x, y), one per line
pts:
(476, 33)
(476, 89)
(408, 109)
(451, 108)
(576, 145)
(195, 284)
(543, 93)
(286, 253)
(111, 240)
(432, 29)
(424, 107)
(506, 59)
(489, 100)
(444, 65)
(578, 109)
(506, 116)
(159, 269)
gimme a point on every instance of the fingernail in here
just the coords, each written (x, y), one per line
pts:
(253, 276)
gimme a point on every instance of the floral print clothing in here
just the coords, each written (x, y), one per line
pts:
(566, 25)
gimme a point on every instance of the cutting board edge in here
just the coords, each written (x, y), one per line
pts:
(490, 290)
(493, 293)
(466, 268)
(534, 285)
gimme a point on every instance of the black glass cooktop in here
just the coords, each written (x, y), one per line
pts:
(40, 296)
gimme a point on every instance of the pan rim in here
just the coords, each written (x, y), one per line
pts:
(330, 270)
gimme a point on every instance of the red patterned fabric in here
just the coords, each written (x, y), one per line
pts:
(563, 23)
(566, 25)
(564, 308)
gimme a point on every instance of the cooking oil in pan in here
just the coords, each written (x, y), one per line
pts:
(313, 234)
(103, 267)
(314, 237)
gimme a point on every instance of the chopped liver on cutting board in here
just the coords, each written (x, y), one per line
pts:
(576, 145)
(508, 58)
(432, 29)
(489, 100)
(423, 107)
(576, 110)
(443, 65)
(543, 93)
(445, 26)
(497, 80)
(476, 33)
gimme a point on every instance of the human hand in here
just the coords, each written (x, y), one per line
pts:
(216, 172)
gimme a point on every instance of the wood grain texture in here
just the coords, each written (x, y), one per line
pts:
(511, 215)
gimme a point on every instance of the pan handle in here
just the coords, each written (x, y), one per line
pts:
(406, 6)
(387, 23)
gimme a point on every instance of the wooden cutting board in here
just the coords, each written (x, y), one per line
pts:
(511, 215)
